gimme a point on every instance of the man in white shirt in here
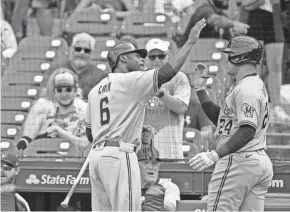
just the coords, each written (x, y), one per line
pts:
(157, 194)
(165, 111)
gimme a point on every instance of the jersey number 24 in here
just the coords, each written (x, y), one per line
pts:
(104, 111)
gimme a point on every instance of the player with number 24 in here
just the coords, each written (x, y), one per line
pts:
(243, 171)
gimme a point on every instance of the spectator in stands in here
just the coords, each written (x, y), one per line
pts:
(8, 44)
(9, 171)
(165, 111)
(212, 11)
(58, 115)
(44, 15)
(149, 163)
(80, 63)
(267, 26)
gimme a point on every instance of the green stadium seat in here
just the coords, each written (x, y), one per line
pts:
(8, 145)
(102, 46)
(23, 78)
(139, 24)
(194, 136)
(19, 91)
(37, 41)
(191, 205)
(30, 65)
(16, 104)
(12, 132)
(92, 21)
(13, 117)
(103, 65)
(52, 148)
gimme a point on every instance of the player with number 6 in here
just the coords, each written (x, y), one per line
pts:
(243, 171)
(114, 122)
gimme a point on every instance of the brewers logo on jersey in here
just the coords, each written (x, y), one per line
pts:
(245, 103)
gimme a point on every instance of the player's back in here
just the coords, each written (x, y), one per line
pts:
(246, 103)
(117, 106)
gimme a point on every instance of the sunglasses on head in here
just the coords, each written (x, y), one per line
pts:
(6, 167)
(61, 89)
(86, 50)
(160, 56)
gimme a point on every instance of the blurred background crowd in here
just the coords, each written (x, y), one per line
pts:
(53, 52)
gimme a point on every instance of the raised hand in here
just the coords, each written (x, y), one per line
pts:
(200, 75)
(195, 31)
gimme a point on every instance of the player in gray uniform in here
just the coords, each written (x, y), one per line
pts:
(243, 171)
(114, 122)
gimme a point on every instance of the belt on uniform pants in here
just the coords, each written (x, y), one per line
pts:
(113, 143)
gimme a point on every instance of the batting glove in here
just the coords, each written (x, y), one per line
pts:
(203, 160)
(22, 144)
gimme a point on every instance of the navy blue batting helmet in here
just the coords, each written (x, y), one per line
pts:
(121, 49)
(244, 49)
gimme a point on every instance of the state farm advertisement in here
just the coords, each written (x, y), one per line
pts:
(52, 180)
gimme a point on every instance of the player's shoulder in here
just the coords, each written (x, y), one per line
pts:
(251, 85)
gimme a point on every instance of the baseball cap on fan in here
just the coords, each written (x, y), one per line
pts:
(156, 43)
(9, 158)
(64, 79)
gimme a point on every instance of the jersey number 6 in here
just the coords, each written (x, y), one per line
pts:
(105, 112)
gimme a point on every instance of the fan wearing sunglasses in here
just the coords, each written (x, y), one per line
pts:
(79, 62)
(9, 171)
(165, 111)
(59, 115)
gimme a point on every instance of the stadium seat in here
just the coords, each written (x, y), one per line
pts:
(189, 149)
(12, 132)
(140, 24)
(92, 21)
(102, 46)
(23, 78)
(278, 146)
(191, 205)
(19, 91)
(206, 50)
(194, 136)
(8, 145)
(40, 53)
(32, 65)
(37, 41)
(52, 148)
(103, 65)
(13, 117)
(16, 104)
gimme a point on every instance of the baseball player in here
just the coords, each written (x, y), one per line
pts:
(10, 199)
(114, 121)
(243, 171)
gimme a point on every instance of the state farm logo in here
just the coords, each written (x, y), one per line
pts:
(55, 180)
(32, 179)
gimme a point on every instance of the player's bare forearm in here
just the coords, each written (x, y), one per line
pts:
(174, 104)
(211, 110)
